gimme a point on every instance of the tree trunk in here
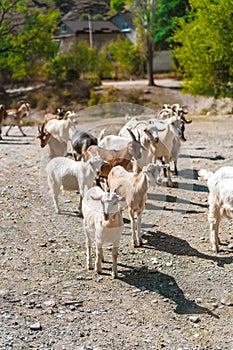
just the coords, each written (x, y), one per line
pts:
(150, 56)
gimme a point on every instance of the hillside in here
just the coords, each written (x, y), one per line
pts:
(74, 8)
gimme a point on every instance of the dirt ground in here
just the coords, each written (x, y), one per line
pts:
(174, 293)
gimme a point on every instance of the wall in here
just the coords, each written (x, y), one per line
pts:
(163, 62)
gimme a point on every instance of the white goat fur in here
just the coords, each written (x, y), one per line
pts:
(69, 175)
(103, 224)
(60, 129)
(220, 199)
(134, 187)
(168, 146)
(56, 148)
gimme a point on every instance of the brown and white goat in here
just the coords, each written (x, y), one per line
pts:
(134, 188)
(113, 157)
(14, 117)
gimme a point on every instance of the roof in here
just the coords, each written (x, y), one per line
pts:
(79, 26)
(126, 16)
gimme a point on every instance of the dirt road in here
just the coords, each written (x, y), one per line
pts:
(173, 293)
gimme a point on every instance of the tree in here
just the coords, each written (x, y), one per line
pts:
(26, 37)
(204, 49)
(117, 5)
(165, 21)
(144, 12)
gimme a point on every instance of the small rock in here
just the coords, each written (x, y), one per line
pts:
(35, 327)
(194, 319)
(230, 246)
(50, 303)
(228, 300)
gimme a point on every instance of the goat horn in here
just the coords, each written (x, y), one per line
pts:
(139, 137)
(39, 129)
(132, 134)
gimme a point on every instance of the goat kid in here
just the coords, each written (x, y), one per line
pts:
(103, 223)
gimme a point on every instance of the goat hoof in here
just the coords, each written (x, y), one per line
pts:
(114, 275)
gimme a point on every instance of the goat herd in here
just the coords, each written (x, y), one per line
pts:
(123, 166)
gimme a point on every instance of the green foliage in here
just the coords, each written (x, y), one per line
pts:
(165, 20)
(109, 95)
(125, 56)
(26, 43)
(117, 5)
(81, 59)
(97, 17)
(205, 51)
(83, 16)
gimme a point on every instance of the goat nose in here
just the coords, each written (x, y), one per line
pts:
(106, 216)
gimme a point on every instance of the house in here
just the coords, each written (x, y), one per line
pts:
(97, 33)
(124, 21)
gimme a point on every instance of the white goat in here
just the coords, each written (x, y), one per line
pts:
(220, 199)
(56, 148)
(69, 175)
(134, 187)
(103, 223)
(60, 128)
(168, 146)
(56, 133)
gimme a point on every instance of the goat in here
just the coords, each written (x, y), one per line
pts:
(134, 187)
(113, 157)
(80, 141)
(56, 148)
(56, 134)
(61, 128)
(220, 200)
(148, 139)
(103, 223)
(14, 117)
(168, 147)
(69, 175)
(59, 115)
(168, 111)
(3, 114)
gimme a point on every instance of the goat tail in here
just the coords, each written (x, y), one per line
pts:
(204, 174)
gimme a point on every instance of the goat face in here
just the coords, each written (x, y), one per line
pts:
(153, 172)
(44, 136)
(97, 162)
(134, 149)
